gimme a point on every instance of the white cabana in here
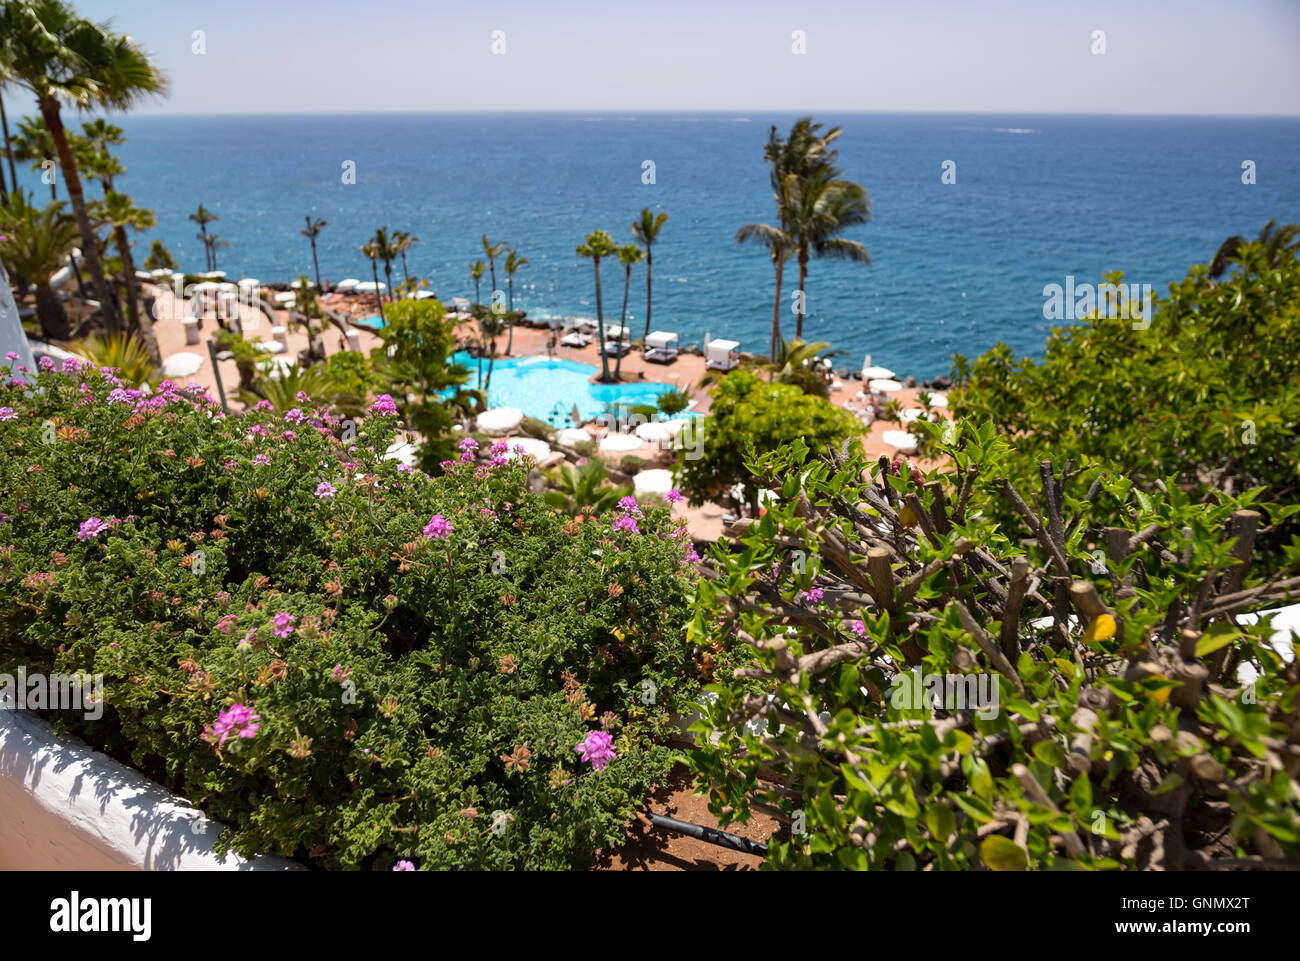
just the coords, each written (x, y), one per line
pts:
(883, 385)
(620, 443)
(460, 303)
(615, 332)
(905, 442)
(587, 324)
(499, 420)
(653, 481)
(347, 286)
(182, 364)
(284, 297)
(249, 283)
(655, 433)
(721, 354)
(661, 345)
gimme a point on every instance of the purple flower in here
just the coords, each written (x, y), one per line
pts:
(626, 522)
(598, 748)
(294, 416)
(383, 405)
(630, 505)
(469, 443)
(284, 624)
(859, 628)
(438, 528)
(11, 355)
(403, 866)
(325, 490)
(673, 497)
(261, 460)
(91, 528)
(236, 721)
(813, 594)
(227, 624)
(7, 413)
(302, 397)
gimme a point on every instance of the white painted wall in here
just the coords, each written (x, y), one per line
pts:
(64, 806)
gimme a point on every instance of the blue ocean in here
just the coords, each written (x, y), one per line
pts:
(955, 267)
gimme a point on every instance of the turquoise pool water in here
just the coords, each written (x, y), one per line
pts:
(548, 388)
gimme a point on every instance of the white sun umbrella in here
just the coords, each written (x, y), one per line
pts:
(877, 373)
(269, 346)
(499, 420)
(655, 433)
(570, 436)
(424, 294)
(214, 274)
(401, 451)
(620, 443)
(182, 365)
(883, 385)
(938, 400)
(204, 286)
(345, 286)
(653, 481)
(911, 414)
(297, 284)
(250, 282)
(901, 439)
(531, 446)
(370, 287)
(161, 272)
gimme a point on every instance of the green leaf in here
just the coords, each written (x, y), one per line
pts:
(1003, 854)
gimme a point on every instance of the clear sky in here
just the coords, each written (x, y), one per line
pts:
(277, 56)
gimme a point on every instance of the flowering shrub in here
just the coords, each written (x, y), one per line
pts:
(346, 660)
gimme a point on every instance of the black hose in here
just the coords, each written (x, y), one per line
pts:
(712, 835)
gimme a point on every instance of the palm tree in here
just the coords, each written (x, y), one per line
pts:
(311, 232)
(576, 489)
(386, 247)
(371, 250)
(404, 242)
(60, 58)
(628, 255)
(123, 353)
(513, 263)
(203, 216)
(821, 207)
(492, 252)
(1280, 245)
(33, 144)
(599, 244)
(121, 212)
(646, 231)
(214, 243)
(476, 270)
(160, 258)
(36, 240)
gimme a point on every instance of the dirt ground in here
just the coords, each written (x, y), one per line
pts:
(649, 848)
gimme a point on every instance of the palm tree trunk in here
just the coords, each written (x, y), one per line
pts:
(510, 308)
(49, 311)
(405, 273)
(207, 249)
(776, 309)
(388, 274)
(315, 263)
(600, 322)
(803, 304)
(649, 262)
(128, 269)
(50, 111)
(9, 150)
(374, 269)
(622, 322)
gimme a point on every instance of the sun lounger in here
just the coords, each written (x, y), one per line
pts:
(661, 355)
(575, 339)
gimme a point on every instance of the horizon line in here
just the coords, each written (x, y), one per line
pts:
(735, 113)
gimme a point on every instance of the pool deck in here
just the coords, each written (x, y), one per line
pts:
(685, 373)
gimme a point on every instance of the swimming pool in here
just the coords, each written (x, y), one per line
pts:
(548, 387)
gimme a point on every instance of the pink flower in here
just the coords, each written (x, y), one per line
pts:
(302, 397)
(859, 628)
(11, 355)
(813, 594)
(294, 416)
(438, 528)
(325, 490)
(261, 460)
(383, 405)
(284, 624)
(626, 522)
(236, 721)
(91, 528)
(403, 866)
(227, 624)
(7, 413)
(341, 673)
(598, 748)
(630, 505)
(673, 497)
